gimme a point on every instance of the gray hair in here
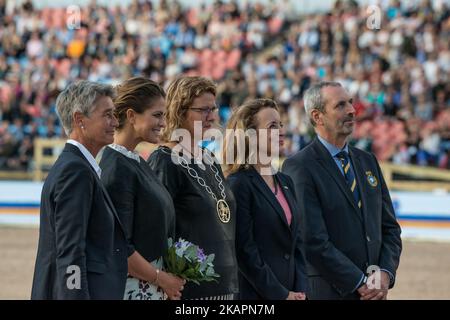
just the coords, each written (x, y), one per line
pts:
(80, 97)
(313, 98)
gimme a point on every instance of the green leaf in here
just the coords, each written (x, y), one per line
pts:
(195, 281)
(210, 258)
(191, 253)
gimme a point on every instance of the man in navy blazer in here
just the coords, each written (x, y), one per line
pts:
(82, 251)
(351, 237)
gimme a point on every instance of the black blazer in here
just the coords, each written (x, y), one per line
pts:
(78, 227)
(268, 250)
(144, 205)
(340, 240)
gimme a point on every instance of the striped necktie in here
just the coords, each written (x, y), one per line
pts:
(349, 175)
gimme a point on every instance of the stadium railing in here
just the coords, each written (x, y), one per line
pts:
(398, 177)
(415, 178)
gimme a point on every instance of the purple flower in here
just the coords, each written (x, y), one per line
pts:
(201, 255)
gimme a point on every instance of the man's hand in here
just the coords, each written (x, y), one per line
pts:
(375, 293)
(364, 291)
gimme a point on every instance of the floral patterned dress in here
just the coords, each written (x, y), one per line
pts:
(136, 289)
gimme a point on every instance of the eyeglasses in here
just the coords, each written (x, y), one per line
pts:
(205, 111)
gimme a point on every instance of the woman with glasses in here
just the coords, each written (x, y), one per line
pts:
(204, 204)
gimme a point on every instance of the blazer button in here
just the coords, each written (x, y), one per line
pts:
(368, 238)
(286, 256)
(117, 250)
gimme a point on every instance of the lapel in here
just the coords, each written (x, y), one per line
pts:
(264, 189)
(73, 149)
(327, 162)
(360, 178)
(289, 195)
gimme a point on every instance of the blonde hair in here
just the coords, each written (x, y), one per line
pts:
(180, 96)
(242, 119)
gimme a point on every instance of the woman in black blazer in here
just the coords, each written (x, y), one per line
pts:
(142, 202)
(271, 264)
(82, 245)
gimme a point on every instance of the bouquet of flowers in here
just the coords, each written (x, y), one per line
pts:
(186, 260)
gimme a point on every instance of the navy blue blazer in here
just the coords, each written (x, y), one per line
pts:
(340, 240)
(268, 249)
(79, 226)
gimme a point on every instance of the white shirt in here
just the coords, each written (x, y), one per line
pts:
(90, 158)
(129, 154)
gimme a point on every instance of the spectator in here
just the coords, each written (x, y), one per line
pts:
(398, 73)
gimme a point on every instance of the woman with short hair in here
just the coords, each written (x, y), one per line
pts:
(82, 245)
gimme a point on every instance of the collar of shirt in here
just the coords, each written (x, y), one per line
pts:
(129, 154)
(332, 149)
(87, 155)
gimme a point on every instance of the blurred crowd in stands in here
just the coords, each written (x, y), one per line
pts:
(399, 74)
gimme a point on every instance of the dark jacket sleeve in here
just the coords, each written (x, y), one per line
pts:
(251, 265)
(333, 265)
(391, 242)
(119, 180)
(73, 198)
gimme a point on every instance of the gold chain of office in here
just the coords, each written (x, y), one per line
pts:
(222, 207)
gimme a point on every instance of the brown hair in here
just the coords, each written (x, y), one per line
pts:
(180, 96)
(242, 119)
(137, 94)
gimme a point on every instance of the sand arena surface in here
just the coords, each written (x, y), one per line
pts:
(423, 272)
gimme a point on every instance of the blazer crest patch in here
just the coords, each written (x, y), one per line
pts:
(371, 179)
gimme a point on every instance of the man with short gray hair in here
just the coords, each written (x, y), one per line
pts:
(347, 219)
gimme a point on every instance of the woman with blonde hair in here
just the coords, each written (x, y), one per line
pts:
(144, 206)
(268, 243)
(204, 204)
